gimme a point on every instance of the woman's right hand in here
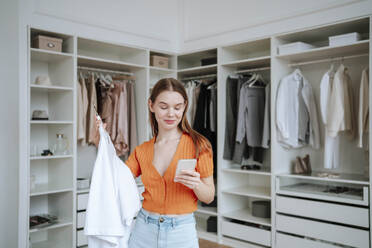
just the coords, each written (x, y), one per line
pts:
(98, 123)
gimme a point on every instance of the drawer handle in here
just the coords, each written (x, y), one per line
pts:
(51, 45)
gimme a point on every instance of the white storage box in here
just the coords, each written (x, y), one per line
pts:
(294, 47)
(82, 183)
(344, 39)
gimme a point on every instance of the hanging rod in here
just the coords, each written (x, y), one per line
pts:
(199, 77)
(254, 69)
(104, 70)
(328, 60)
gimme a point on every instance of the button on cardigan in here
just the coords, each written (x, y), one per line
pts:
(162, 195)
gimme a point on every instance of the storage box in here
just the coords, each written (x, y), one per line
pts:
(294, 47)
(159, 61)
(82, 183)
(212, 224)
(47, 43)
(209, 61)
(344, 39)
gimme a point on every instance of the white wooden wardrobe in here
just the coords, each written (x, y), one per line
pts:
(299, 217)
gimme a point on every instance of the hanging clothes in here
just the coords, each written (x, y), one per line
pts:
(363, 114)
(83, 102)
(133, 142)
(202, 118)
(251, 112)
(92, 98)
(331, 144)
(296, 115)
(121, 141)
(266, 126)
(234, 150)
(190, 88)
(340, 112)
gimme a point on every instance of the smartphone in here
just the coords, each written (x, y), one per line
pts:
(185, 164)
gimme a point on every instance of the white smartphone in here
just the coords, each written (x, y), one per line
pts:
(185, 164)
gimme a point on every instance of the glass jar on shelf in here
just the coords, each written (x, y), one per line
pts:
(61, 146)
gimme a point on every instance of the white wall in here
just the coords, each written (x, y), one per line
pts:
(9, 123)
(143, 23)
(210, 23)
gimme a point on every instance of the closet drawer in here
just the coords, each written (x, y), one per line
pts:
(338, 213)
(329, 232)
(82, 201)
(80, 219)
(247, 233)
(288, 241)
(81, 239)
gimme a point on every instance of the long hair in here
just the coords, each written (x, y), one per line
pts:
(171, 84)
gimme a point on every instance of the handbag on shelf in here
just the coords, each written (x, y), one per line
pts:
(302, 165)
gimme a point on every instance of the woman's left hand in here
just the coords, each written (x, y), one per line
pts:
(190, 179)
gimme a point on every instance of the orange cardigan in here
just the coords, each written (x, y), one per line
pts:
(162, 195)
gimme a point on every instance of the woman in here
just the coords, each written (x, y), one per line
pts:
(166, 218)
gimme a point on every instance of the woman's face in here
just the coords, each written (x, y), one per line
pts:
(168, 109)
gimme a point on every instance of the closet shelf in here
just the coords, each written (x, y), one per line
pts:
(49, 157)
(327, 52)
(51, 243)
(343, 178)
(250, 191)
(42, 88)
(246, 215)
(59, 224)
(49, 188)
(207, 210)
(82, 191)
(198, 70)
(251, 172)
(49, 56)
(251, 62)
(161, 70)
(108, 64)
(52, 122)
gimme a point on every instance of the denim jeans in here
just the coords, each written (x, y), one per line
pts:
(162, 231)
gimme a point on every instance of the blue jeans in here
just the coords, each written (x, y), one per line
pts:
(161, 231)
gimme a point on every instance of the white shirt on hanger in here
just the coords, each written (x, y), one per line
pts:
(340, 113)
(113, 199)
(296, 114)
(331, 144)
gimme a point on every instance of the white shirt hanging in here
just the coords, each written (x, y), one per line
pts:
(331, 144)
(296, 114)
(113, 199)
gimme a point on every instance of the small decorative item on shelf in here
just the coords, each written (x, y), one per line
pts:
(43, 80)
(40, 115)
(159, 61)
(261, 209)
(61, 145)
(302, 165)
(82, 183)
(209, 61)
(250, 167)
(48, 43)
(47, 152)
(42, 220)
